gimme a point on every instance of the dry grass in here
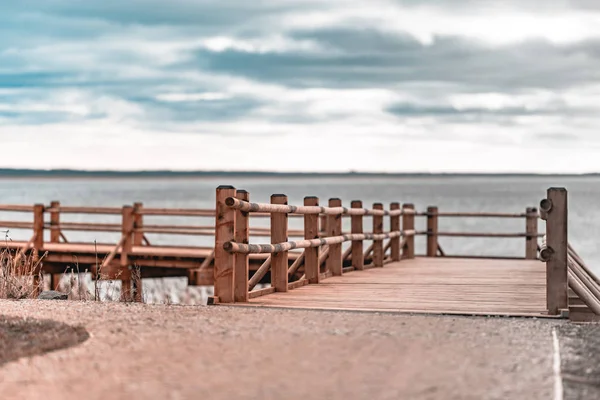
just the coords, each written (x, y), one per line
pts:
(19, 275)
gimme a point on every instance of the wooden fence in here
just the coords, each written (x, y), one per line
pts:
(322, 254)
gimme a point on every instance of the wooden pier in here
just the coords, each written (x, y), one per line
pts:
(550, 280)
(358, 265)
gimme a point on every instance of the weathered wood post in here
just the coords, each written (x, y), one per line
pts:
(311, 231)
(531, 227)
(224, 261)
(394, 227)
(138, 224)
(279, 234)
(38, 243)
(432, 230)
(55, 238)
(378, 244)
(334, 228)
(241, 266)
(358, 259)
(555, 209)
(131, 285)
(408, 224)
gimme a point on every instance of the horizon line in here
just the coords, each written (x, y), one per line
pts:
(29, 172)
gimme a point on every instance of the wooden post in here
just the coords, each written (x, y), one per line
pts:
(38, 243)
(432, 230)
(38, 226)
(556, 241)
(395, 226)
(224, 232)
(55, 238)
(408, 223)
(531, 227)
(334, 228)
(129, 290)
(378, 244)
(358, 260)
(138, 224)
(54, 222)
(279, 234)
(312, 268)
(241, 235)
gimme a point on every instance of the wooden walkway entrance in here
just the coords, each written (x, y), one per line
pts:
(428, 285)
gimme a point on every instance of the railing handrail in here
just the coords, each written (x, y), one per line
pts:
(234, 247)
(306, 210)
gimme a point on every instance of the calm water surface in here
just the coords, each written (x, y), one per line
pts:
(504, 194)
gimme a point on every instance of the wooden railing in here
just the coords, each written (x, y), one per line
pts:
(530, 234)
(323, 254)
(564, 267)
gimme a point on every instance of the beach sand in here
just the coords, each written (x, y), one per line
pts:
(138, 351)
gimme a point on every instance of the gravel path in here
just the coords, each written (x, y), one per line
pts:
(175, 352)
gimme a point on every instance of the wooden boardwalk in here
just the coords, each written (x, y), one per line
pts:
(428, 285)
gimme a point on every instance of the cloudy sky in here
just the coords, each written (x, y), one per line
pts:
(306, 85)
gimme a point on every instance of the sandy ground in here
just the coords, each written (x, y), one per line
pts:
(193, 352)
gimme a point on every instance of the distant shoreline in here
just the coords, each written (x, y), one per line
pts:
(67, 173)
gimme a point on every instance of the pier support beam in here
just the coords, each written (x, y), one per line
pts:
(555, 209)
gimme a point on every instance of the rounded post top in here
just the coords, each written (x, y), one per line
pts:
(278, 195)
(378, 205)
(356, 203)
(221, 187)
(408, 205)
(394, 204)
(310, 197)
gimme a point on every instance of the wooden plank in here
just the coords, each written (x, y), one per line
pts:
(378, 244)
(311, 231)
(241, 261)
(261, 292)
(557, 240)
(224, 232)
(334, 228)
(279, 230)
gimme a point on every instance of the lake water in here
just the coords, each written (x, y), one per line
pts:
(497, 194)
